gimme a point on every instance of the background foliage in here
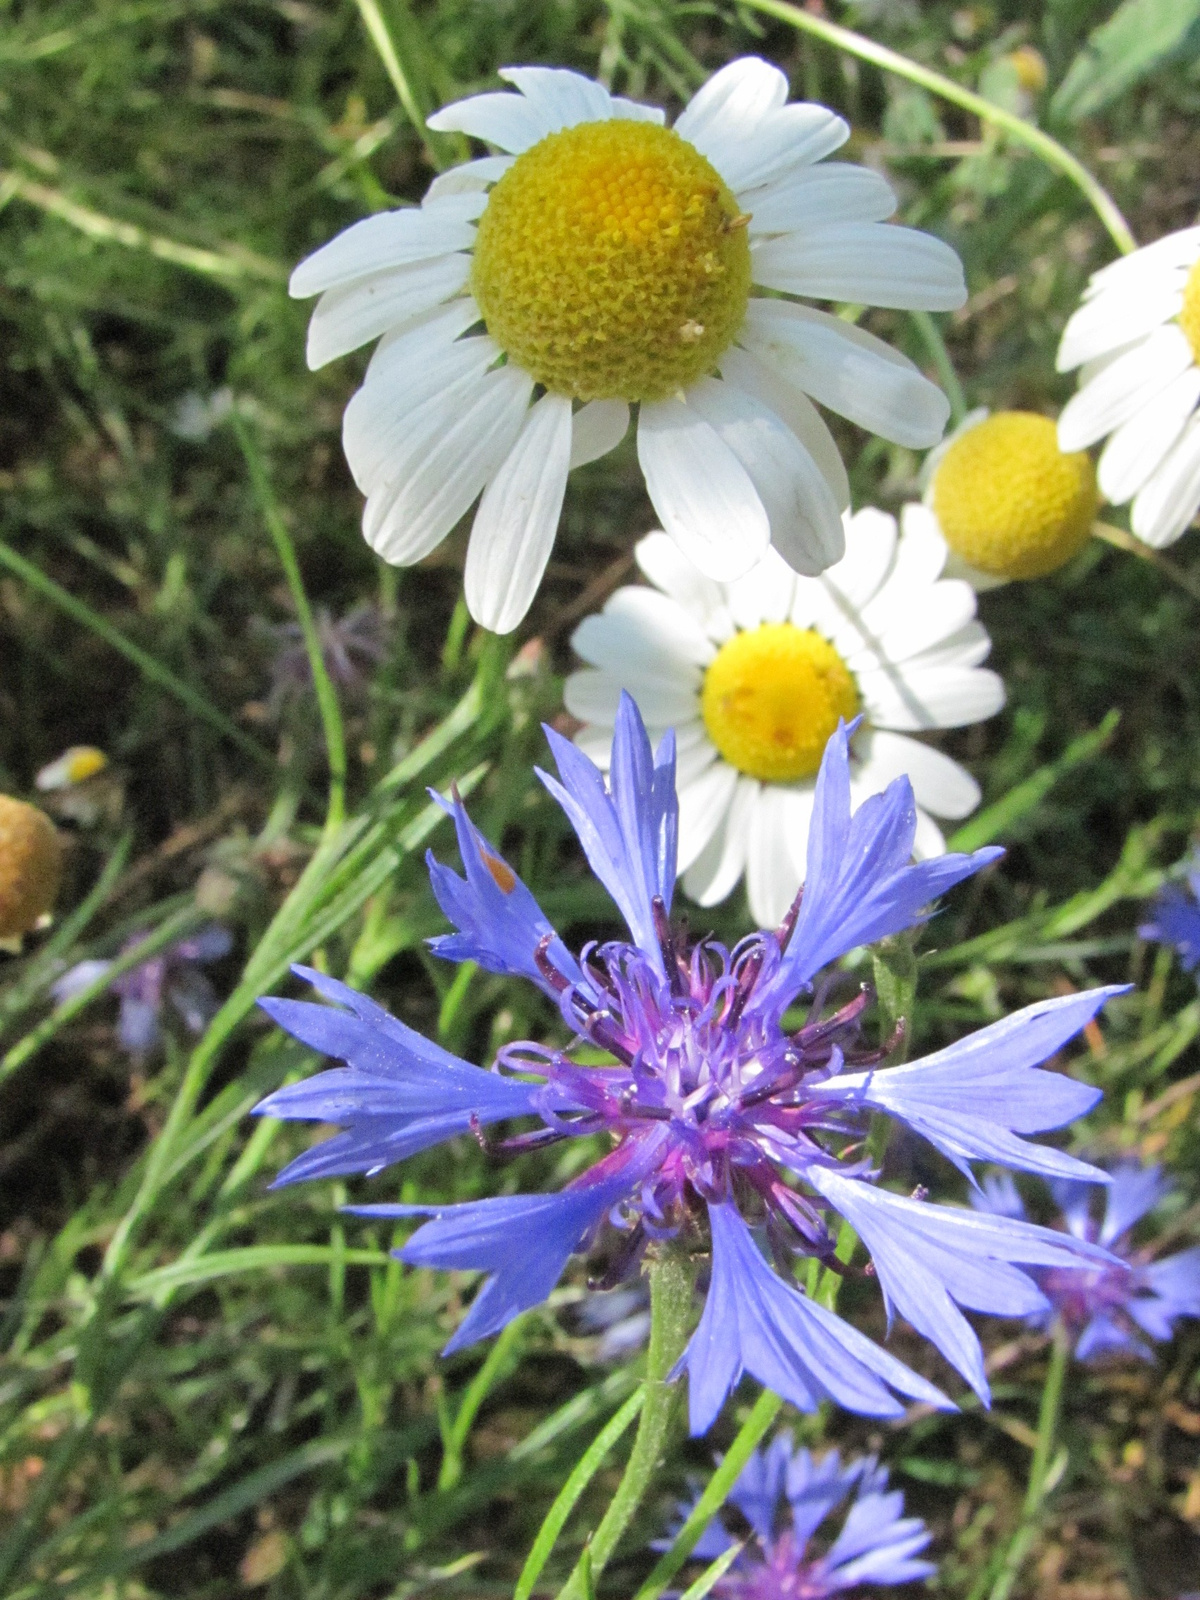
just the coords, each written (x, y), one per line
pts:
(207, 1388)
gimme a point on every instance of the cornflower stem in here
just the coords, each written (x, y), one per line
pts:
(671, 1281)
(327, 700)
(1027, 133)
(1121, 540)
(1035, 1492)
(766, 1408)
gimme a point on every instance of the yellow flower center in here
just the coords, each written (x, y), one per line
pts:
(772, 698)
(612, 263)
(1189, 316)
(31, 858)
(1009, 501)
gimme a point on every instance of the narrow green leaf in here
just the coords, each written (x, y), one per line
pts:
(253, 1258)
(713, 1573)
(1138, 37)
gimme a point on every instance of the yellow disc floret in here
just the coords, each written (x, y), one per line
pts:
(1189, 316)
(612, 262)
(30, 865)
(772, 698)
(1009, 502)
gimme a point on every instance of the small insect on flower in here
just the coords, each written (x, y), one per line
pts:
(1175, 917)
(610, 262)
(1110, 1310)
(1006, 499)
(755, 676)
(727, 1129)
(1136, 337)
(784, 1496)
(174, 977)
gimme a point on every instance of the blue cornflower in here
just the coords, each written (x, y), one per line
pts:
(1106, 1310)
(784, 1496)
(1176, 917)
(719, 1115)
(173, 977)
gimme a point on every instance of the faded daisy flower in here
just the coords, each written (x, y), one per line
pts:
(605, 261)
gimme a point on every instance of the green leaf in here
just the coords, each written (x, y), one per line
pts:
(1138, 37)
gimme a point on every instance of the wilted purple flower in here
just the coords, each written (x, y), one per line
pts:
(784, 1496)
(173, 977)
(1106, 1310)
(348, 646)
(718, 1114)
(1176, 918)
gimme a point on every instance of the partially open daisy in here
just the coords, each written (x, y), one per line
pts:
(755, 675)
(604, 261)
(1136, 339)
(1007, 500)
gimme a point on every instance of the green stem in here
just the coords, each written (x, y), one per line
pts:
(671, 1281)
(327, 700)
(931, 338)
(146, 664)
(766, 1409)
(403, 71)
(1035, 1493)
(1027, 133)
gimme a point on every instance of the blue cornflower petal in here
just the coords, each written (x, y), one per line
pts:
(878, 1542)
(522, 1241)
(761, 1485)
(998, 1194)
(1104, 1337)
(1176, 921)
(500, 924)
(1175, 1284)
(1133, 1192)
(972, 1098)
(755, 1322)
(861, 885)
(398, 1093)
(931, 1258)
(629, 835)
(814, 1488)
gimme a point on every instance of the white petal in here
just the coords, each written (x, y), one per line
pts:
(351, 316)
(700, 490)
(670, 631)
(666, 566)
(934, 697)
(905, 630)
(509, 121)
(420, 337)
(694, 752)
(832, 191)
(764, 594)
(390, 239)
(870, 548)
(919, 525)
(594, 697)
(786, 138)
(1123, 388)
(732, 103)
(715, 872)
(769, 386)
(806, 525)
(968, 647)
(455, 446)
(867, 263)
(1112, 320)
(848, 370)
(703, 806)
(928, 840)
(1165, 507)
(596, 429)
(773, 863)
(375, 424)
(939, 784)
(595, 740)
(517, 519)
(634, 111)
(1138, 446)
(468, 178)
(560, 98)
(920, 553)
(1171, 252)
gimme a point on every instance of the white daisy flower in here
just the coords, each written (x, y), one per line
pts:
(602, 261)
(754, 675)
(1136, 336)
(1007, 500)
